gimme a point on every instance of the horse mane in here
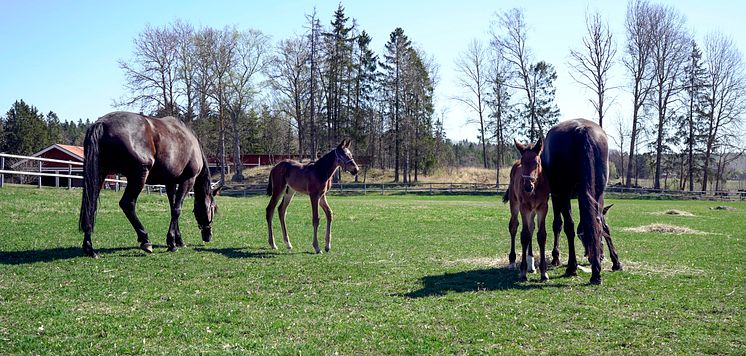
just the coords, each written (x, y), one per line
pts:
(202, 189)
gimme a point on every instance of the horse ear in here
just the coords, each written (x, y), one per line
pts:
(341, 144)
(521, 147)
(606, 208)
(349, 141)
(539, 146)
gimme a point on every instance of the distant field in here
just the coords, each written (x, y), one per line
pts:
(407, 274)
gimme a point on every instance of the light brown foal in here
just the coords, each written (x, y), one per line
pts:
(528, 193)
(313, 179)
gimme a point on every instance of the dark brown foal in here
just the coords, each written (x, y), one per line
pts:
(313, 179)
(528, 193)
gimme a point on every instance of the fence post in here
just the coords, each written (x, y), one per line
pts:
(39, 172)
(431, 188)
(2, 168)
(381, 188)
(69, 180)
(365, 188)
(116, 184)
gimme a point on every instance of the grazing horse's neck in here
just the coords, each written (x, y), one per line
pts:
(326, 165)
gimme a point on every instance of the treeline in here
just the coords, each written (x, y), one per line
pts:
(301, 95)
(24, 130)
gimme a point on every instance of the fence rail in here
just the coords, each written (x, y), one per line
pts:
(384, 188)
(149, 188)
(489, 189)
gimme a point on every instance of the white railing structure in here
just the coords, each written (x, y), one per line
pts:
(40, 174)
(69, 174)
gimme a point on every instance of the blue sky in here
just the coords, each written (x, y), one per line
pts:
(62, 55)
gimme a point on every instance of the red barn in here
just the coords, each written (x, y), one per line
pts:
(57, 152)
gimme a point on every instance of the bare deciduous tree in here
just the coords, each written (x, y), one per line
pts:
(472, 69)
(725, 95)
(150, 76)
(591, 64)
(668, 56)
(637, 28)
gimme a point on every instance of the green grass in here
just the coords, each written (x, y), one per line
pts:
(406, 275)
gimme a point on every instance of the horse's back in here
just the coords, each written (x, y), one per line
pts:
(164, 146)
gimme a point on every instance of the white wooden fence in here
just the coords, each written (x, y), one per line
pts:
(117, 182)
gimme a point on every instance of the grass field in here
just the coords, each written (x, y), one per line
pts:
(406, 275)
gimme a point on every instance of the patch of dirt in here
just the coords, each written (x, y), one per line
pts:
(673, 212)
(665, 229)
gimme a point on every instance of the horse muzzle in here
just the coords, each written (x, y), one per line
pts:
(206, 233)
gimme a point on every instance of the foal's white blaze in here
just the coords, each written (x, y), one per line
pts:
(530, 262)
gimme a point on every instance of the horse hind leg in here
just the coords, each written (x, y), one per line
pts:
(513, 229)
(276, 193)
(281, 210)
(315, 217)
(556, 229)
(128, 204)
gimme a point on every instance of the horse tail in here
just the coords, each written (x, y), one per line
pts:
(269, 184)
(506, 196)
(587, 199)
(92, 181)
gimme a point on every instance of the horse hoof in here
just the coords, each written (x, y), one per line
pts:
(180, 244)
(274, 247)
(327, 249)
(618, 267)
(571, 273)
(595, 280)
(172, 249)
(544, 277)
(511, 265)
(523, 278)
(147, 247)
(556, 262)
(290, 247)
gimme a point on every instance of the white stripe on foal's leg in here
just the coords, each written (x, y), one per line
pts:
(530, 262)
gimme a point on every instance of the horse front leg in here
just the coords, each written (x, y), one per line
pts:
(176, 199)
(541, 236)
(128, 204)
(527, 230)
(315, 217)
(513, 229)
(328, 212)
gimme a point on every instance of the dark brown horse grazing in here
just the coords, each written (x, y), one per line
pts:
(314, 179)
(575, 161)
(147, 151)
(528, 193)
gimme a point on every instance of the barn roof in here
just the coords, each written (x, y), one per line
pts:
(75, 153)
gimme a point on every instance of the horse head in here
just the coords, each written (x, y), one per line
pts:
(530, 163)
(205, 209)
(344, 157)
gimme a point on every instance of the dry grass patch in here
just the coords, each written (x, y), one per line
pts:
(641, 268)
(665, 229)
(492, 262)
(673, 212)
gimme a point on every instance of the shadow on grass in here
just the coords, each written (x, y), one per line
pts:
(232, 252)
(489, 279)
(53, 254)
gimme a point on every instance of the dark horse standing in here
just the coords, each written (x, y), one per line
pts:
(147, 151)
(575, 161)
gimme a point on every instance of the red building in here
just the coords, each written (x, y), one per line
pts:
(57, 152)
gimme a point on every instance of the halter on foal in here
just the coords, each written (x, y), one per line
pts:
(314, 179)
(528, 192)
